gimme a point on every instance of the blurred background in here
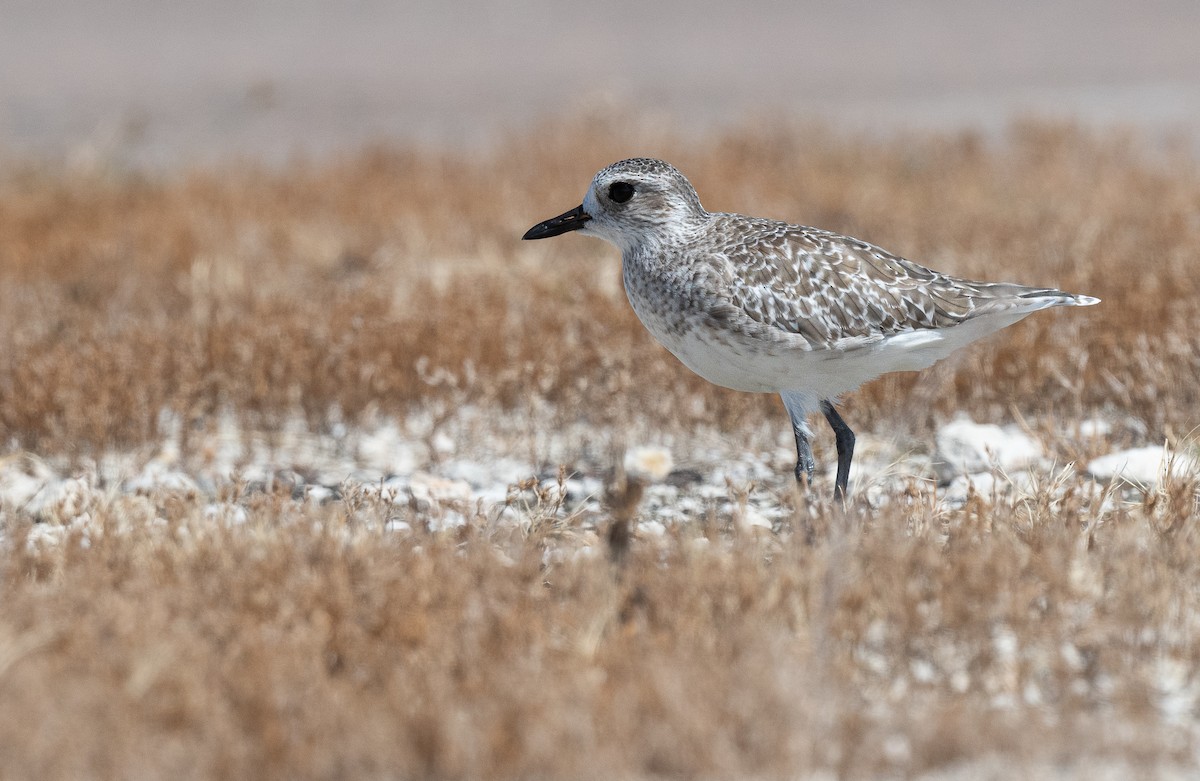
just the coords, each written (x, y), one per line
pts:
(268, 332)
(157, 84)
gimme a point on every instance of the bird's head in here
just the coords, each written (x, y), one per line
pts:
(629, 203)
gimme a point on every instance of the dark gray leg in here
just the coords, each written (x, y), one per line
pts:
(845, 449)
(804, 457)
(799, 406)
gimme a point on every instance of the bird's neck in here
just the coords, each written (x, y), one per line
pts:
(657, 240)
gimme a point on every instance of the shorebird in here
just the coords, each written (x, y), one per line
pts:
(765, 306)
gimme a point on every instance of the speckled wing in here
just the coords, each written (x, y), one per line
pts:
(834, 291)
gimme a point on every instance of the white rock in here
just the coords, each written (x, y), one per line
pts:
(317, 493)
(1094, 428)
(113, 467)
(427, 487)
(648, 462)
(397, 526)
(1140, 465)
(469, 472)
(967, 447)
(582, 488)
(752, 517)
(225, 513)
(62, 500)
(480, 473)
(493, 495)
(662, 493)
(443, 443)
(654, 528)
(986, 484)
(587, 552)
(667, 514)
(446, 519)
(44, 535)
(22, 478)
(387, 450)
(158, 476)
(223, 448)
(922, 671)
(711, 492)
(960, 681)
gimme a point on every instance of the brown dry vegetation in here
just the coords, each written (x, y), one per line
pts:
(307, 643)
(284, 649)
(271, 291)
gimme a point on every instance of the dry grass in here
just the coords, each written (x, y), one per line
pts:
(274, 291)
(308, 642)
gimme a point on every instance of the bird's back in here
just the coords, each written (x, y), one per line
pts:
(826, 288)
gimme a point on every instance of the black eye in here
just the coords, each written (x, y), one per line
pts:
(620, 192)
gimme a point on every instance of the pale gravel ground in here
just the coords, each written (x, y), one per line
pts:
(1005, 769)
(478, 467)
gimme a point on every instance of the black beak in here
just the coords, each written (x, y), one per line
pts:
(571, 221)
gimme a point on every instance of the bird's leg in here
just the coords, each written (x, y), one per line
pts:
(799, 405)
(845, 448)
(804, 457)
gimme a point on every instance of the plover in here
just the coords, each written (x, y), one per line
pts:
(764, 306)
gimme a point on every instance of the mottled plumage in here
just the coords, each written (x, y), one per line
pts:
(762, 305)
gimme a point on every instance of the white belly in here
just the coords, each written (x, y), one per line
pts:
(757, 367)
(734, 360)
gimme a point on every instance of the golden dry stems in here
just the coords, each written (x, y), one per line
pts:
(308, 643)
(271, 292)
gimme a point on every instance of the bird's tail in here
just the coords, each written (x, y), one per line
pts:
(1049, 297)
